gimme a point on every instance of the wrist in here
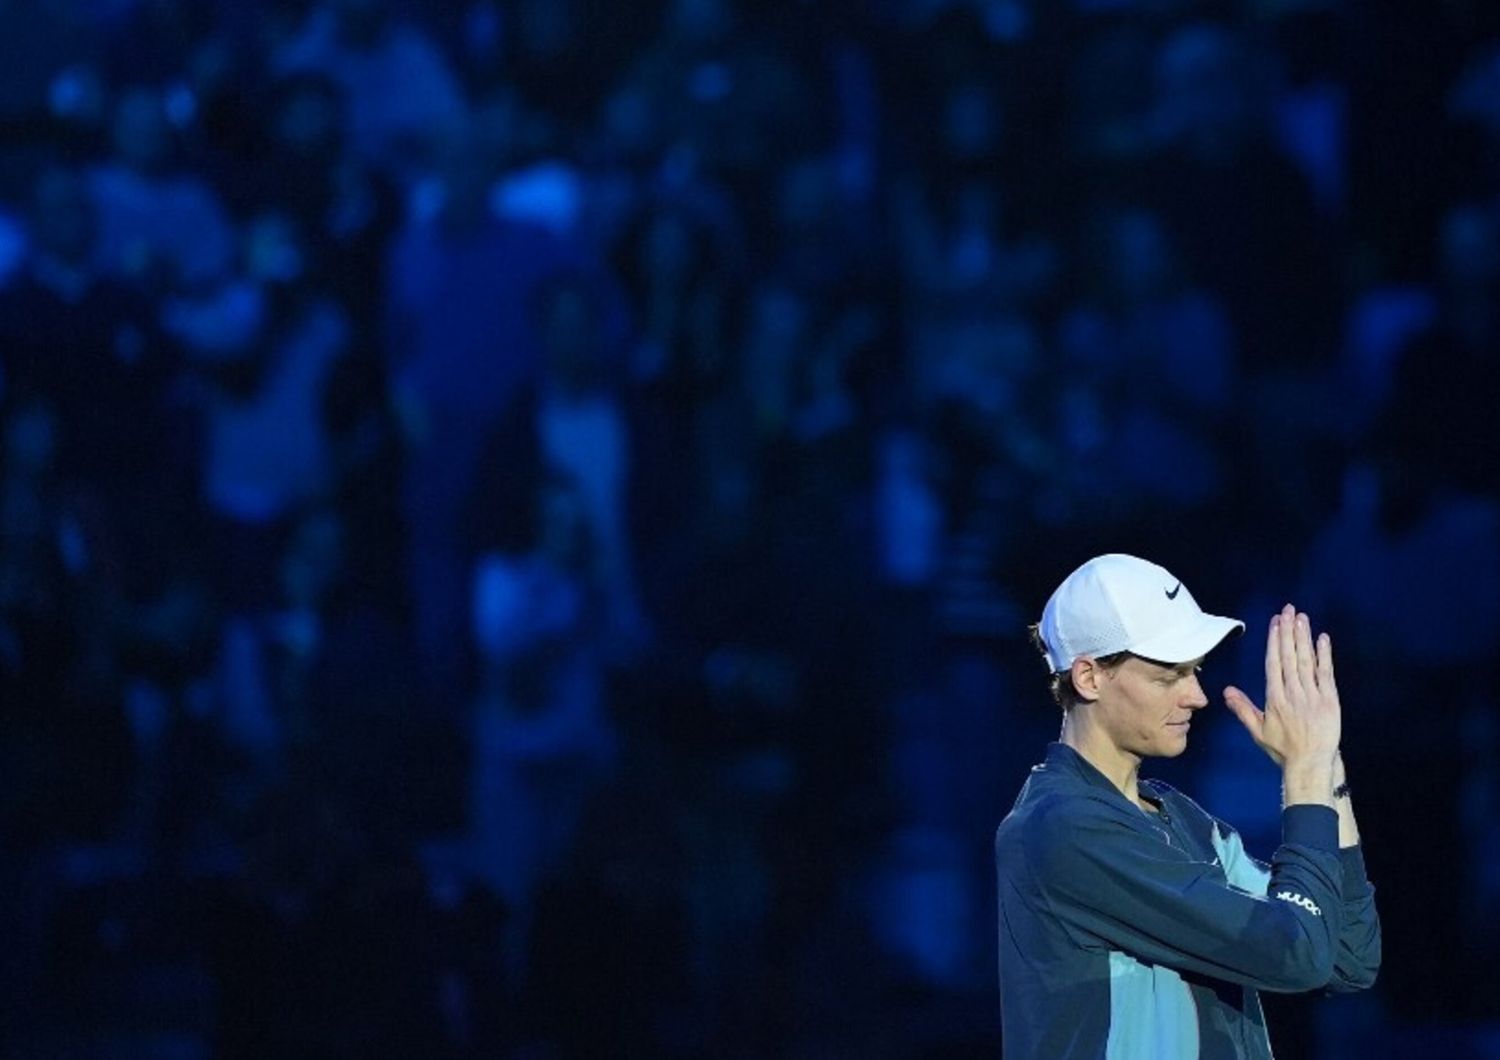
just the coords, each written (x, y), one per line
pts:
(1308, 780)
(1313, 761)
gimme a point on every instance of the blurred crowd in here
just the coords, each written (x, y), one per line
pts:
(518, 517)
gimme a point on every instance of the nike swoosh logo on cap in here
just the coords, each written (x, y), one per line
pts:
(1172, 592)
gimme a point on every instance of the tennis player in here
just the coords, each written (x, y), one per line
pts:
(1133, 924)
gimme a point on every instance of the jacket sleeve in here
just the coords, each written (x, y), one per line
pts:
(1356, 960)
(1116, 883)
(1356, 957)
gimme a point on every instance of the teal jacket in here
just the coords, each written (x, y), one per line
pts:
(1129, 935)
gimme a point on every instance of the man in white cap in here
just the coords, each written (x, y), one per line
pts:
(1133, 924)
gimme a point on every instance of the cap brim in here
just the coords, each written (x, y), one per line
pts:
(1189, 642)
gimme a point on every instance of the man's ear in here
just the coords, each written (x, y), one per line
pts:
(1086, 675)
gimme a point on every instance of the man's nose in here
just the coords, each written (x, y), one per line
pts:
(1196, 697)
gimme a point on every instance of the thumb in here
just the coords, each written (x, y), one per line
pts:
(1241, 706)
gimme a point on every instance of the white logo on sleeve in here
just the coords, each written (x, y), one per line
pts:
(1297, 899)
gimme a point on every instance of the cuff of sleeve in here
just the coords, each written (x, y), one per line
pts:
(1311, 825)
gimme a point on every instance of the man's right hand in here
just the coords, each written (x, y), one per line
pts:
(1302, 722)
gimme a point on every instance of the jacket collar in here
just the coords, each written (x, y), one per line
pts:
(1063, 759)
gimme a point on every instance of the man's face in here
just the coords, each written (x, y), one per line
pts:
(1146, 707)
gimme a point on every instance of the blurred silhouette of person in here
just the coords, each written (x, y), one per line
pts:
(402, 97)
(160, 226)
(464, 342)
(573, 422)
(1455, 356)
(1145, 321)
(87, 343)
(543, 739)
(1244, 217)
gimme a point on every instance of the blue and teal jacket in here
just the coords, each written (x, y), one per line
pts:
(1131, 935)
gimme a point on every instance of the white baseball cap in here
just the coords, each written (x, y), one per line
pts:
(1121, 603)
